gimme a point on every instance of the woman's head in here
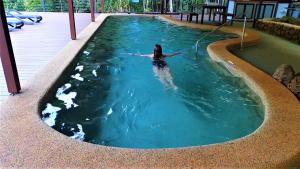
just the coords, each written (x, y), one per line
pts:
(158, 52)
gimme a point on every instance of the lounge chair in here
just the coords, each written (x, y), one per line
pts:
(33, 18)
(11, 28)
(14, 22)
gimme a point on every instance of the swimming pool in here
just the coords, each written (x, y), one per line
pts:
(112, 98)
(270, 53)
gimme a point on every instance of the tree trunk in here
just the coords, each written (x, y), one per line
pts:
(171, 5)
(43, 5)
(61, 7)
(147, 4)
(102, 5)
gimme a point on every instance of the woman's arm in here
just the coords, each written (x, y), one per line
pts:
(172, 54)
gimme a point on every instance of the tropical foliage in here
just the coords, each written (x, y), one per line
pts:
(15, 4)
(137, 6)
(46, 5)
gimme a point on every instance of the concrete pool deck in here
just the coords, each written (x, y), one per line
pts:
(26, 141)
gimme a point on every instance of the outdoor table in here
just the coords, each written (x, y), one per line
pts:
(210, 8)
(189, 16)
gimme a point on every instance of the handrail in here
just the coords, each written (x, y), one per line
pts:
(243, 33)
(207, 34)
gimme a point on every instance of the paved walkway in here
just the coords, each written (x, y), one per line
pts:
(35, 45)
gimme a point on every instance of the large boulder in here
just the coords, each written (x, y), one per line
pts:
(294, 85)
(284, 74)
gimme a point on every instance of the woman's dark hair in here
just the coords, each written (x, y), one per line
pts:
(157, 52)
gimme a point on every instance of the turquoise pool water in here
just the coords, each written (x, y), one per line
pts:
(113, 98)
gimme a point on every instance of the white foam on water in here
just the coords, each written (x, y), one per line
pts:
(110, 111)
(52, 111)
(87, 119)
(80, 134)
(94, 73)
(66, 98)
(63, 89)
(77, 77)
(86, 52)
(79, 68)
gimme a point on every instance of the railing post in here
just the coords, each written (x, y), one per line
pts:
(92, 9)
(7, 55)
(71, 19)
(102, 5)
(243, 33)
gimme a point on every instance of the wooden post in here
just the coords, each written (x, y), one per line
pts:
(289, 12)
(102, 5)
(7, 55)
(92, 9)
(256, 16)
(71, 20)
(276, 8)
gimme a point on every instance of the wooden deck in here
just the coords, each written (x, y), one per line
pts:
(35, 45)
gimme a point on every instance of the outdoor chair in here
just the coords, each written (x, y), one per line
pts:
(229, 14)
(11, 27)
(14, 22)
(221, 14)
(33, 18)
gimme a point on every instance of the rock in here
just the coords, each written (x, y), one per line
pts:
(284, 74)
(294, 85)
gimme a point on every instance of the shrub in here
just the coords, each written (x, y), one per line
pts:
(288, 19)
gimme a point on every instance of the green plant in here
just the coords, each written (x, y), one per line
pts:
(198, 2)
(14, 5)
(81, 5)
(33, 5)
(288, 19)
(84, 5)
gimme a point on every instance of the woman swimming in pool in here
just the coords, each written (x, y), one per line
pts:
(160, 67)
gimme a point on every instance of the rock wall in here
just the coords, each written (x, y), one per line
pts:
(284, 30)
(285, 74)
(294, 85)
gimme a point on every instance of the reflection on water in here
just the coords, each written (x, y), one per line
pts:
(113, 98)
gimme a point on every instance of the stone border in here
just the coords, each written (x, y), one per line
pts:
(26, 141)
(285, 30)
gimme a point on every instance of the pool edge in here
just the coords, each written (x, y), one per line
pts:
(31, 143)
(273, 94)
